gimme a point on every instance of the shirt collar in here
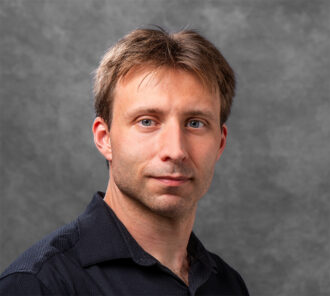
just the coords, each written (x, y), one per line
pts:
(103, 237)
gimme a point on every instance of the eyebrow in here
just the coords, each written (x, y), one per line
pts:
(143, 110)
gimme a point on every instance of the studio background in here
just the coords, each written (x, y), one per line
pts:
(267, 212)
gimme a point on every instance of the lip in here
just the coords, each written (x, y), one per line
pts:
(172, 181)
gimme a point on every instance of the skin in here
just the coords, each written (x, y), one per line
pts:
(144, 144)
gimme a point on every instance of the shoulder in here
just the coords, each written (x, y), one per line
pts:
(22, 283)
(24, 273)
(232, 276)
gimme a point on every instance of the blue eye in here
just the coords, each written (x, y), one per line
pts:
(196, 123)
(146, 122)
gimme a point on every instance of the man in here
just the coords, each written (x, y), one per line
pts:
(161, 103)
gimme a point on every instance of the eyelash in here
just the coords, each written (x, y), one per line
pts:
(153, 121)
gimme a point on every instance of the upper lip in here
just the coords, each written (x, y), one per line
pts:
(178, 177)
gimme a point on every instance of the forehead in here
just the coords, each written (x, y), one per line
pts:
(163, 86)
(154, 73)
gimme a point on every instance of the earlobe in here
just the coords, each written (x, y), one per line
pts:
(102, 138)
(223, 140)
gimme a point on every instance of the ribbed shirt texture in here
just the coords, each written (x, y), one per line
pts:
(96, 255)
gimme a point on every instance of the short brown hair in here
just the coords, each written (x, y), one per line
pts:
(186, 50)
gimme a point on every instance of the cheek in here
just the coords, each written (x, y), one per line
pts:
(205, 160)
(204, 155)
(205, 168)
(129, 155)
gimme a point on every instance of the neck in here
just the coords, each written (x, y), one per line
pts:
(164, 238)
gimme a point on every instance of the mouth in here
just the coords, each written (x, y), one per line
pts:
(172, 181)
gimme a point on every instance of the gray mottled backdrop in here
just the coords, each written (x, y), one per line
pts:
(268, 210)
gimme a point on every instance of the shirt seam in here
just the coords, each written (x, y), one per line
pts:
(60, 252)
(32, 274)
(36, 273)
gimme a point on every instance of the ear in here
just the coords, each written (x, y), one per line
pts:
(224, 132)
(102, 138)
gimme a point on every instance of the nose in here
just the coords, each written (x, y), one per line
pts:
(172, 142)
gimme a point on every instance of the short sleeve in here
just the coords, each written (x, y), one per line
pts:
(22, 284)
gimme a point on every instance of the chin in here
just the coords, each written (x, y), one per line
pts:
(171, 206)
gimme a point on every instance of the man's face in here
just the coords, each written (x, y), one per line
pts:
(165, 124)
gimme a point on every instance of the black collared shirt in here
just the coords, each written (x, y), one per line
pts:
(96, 255)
